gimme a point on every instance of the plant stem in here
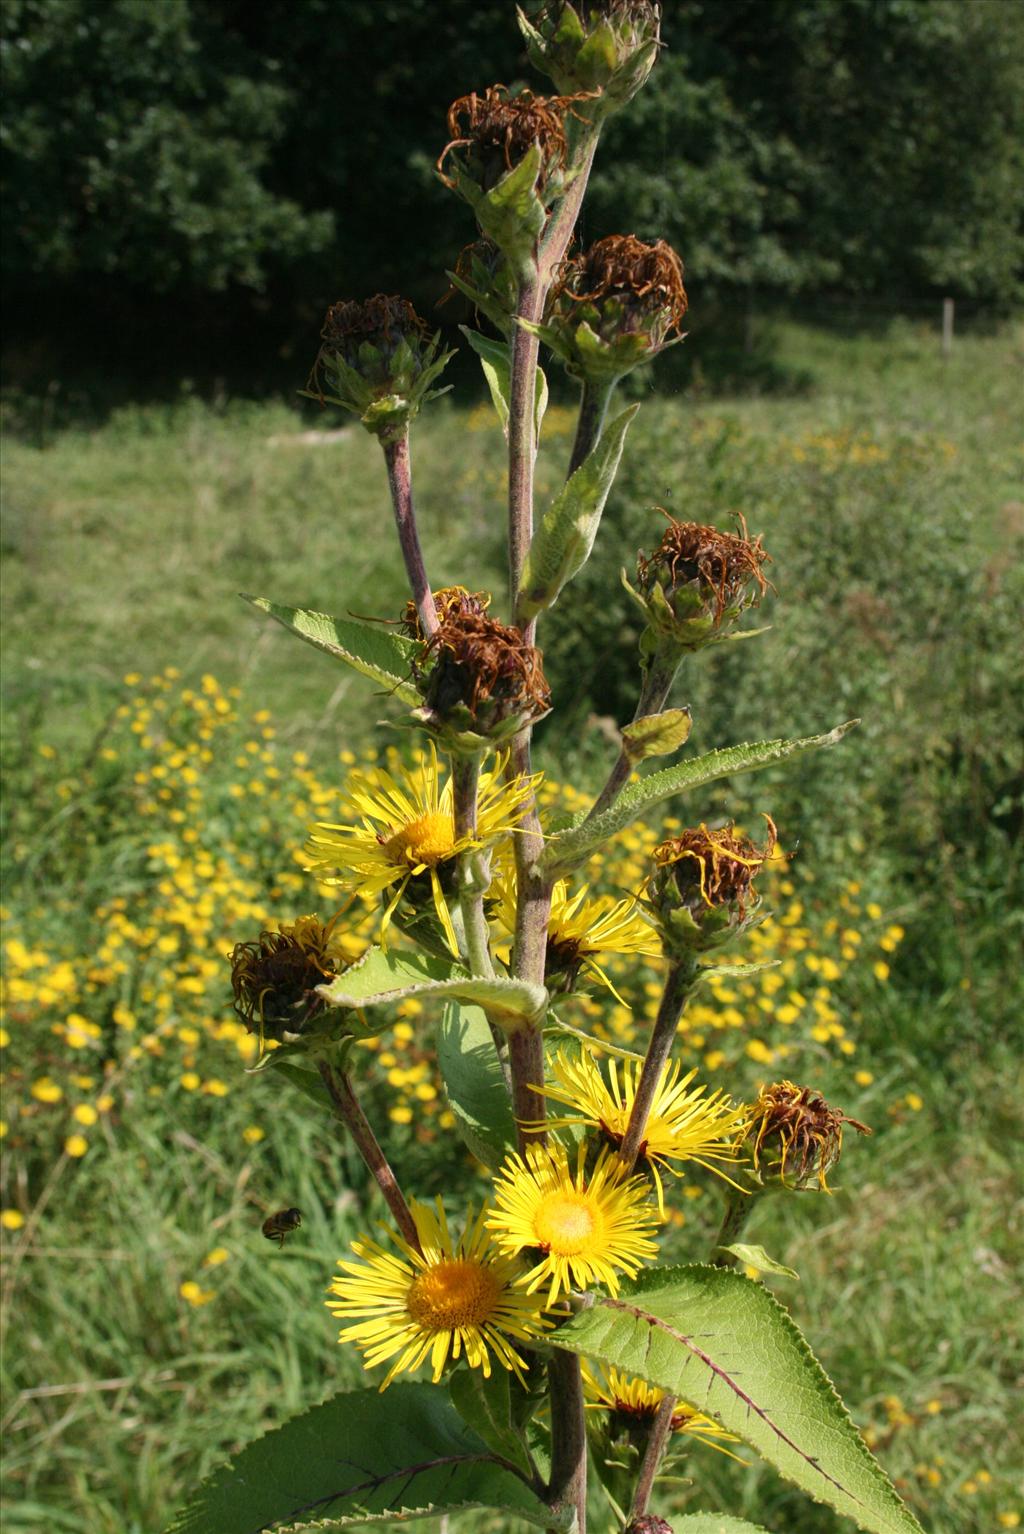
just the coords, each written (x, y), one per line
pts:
(661, 1431)
(352, 1116)
(522, 437)
(396, 456)
(568, 1487)
(657, 683)
(594, 398)
(678, 986)
(473, 865)
(526, 1063)
(529, 956)
(737, 1211)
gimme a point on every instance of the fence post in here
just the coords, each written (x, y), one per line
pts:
(947, 327)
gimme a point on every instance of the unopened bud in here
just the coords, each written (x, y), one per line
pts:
(617, 305)
(378, 360)
(696, 584)
(702, 891)
(481, 682)
(796, 1137)
(607, 46)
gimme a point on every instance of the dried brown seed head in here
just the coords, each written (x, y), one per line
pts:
(274, 978)
(645, 282)
(796, 1136)
(496, 129)
(715, 868)
(727, 568)
(482, 674)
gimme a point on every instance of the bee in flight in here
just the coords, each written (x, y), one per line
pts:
(279, 1225)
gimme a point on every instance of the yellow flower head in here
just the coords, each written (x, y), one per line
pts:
(454, 1298)
(275, 978)
(579, 929)
(587, 1227)
(407, 831)
(685, 1123)
(635, 1402)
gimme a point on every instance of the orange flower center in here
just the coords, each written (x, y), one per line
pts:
(430, 840)
(452, 1294)
(567, 1224)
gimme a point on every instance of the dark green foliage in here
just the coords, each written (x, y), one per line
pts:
(203, 149)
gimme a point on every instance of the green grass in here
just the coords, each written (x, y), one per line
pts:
(894, 561)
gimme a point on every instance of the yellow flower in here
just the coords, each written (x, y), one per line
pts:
(216, 1257)
(252, 1134)
(76, 1145)
(684, 1124)
(12, 1219)
(46, 1090)
(195, 1294)
(589, 1228)
(85, 1114)
(408, 830)
(453, 1298)
(579, 929)
(608, 1389)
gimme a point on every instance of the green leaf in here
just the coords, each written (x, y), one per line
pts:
(361, 1457)
(757, 1257)
(572, 847)
(381, 977)
(497, 368)
(714, 1523)
(473, 1080)
(562, 543)
(372, 649)
(657, 734)
(485, 1404)
(511, 212)
(725, 1344)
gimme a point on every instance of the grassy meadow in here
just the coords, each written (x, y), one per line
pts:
(166, 748)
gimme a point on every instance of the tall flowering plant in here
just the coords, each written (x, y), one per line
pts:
(530, 1354)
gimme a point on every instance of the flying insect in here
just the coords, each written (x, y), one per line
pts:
(281, 1224)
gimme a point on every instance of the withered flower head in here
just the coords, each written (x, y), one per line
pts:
(703, 886)
(494, 130)
(450, 599)
(698, 582)
(795, 1136)
(274, 979)
(608, 46)
(378, 360)
(649, 1523)
(481, 681)
(618, 304)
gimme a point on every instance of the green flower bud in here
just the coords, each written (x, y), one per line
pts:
(608, 46)
(484, 276)
(481, 682)
(696, 584)
(702, 889)
(615, 306)
(275, 980)
(795, 1137)
(378, 360)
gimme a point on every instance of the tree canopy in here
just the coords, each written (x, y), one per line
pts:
(205, 150)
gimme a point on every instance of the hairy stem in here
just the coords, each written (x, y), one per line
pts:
(522, 435)
(737, 1211)
(678, 986)
(594, 398)
(339, 1088)
(529, 955)
(474, 873)
(568, 1487)
(396, 456)
(661, 1431)
(657, 683)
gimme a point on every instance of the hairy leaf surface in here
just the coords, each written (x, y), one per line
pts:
(474, 1083)
(725, 1345)
(369, 648)
(382, 977)
(361, 1457)
(572, 847)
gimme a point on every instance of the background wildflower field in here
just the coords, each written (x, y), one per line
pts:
(166, 752)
